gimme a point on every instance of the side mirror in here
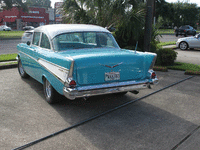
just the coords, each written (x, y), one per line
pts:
(28, 43)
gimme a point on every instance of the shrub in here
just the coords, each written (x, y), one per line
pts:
(165, 56)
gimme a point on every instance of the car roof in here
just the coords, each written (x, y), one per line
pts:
(53, 30)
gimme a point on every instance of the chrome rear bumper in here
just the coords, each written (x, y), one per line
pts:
(87, 91)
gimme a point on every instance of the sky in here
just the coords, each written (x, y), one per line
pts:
(53, 2)
(189, 1)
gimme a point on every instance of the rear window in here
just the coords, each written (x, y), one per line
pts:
(81, 40)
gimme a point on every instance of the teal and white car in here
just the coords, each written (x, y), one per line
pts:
(77, 60)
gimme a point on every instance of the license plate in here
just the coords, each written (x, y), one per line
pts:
(110, 76)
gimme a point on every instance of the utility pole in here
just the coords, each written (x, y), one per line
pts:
(148, 24)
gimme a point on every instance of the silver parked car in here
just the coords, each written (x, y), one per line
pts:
(5, 28)
(27, 36)
(189, 42)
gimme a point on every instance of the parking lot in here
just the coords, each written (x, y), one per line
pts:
(167, 119)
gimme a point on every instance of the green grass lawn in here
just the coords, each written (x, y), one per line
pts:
(166, 43)
(184, 67)
(11, 34)
(169, 31)
(166, 31)
(8, 57)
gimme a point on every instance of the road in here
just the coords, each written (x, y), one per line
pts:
(169, 38)
(8, 46)
(159, 121)
(189, 56)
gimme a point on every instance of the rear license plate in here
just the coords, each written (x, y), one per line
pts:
(110, 76)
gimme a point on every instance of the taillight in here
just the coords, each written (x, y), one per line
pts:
(184, 30)
(72, 83)
(153, 75)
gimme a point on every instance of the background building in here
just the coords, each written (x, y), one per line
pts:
(58, 12)
(16, 18)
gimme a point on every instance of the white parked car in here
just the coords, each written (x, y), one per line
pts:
(27, 36)
(5, 28)
(189, 42)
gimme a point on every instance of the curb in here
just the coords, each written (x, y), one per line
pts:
(17, 38)
(8, 66)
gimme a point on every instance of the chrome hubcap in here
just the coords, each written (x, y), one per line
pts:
(183, 45)
(48, 88)
(21, 69)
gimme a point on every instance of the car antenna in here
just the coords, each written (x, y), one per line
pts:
(136, 47)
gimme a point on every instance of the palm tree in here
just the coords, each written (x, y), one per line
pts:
(101, 12)
(17, 3)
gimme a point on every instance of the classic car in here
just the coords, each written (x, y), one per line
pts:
(188, 42)
(79, 61)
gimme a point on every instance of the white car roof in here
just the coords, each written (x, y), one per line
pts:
(56, 29)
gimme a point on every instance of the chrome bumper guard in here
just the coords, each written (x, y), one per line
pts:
(87, 91)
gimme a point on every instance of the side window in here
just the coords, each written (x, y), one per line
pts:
(45, 42)
(36, 38)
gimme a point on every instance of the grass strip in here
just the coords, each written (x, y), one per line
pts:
(166, 43)
(8, 57)
(184, 67)
(190, 69)
(11, 34)
(168, 31)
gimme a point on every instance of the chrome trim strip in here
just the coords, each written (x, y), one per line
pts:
(111, 66)
(153, 62)
(71, 69)
(111, 85)
(71, 93)
(28, 56)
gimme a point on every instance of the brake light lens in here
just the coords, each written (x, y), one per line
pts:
(72, 83)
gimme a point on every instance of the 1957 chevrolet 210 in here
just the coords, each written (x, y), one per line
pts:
(77, 60)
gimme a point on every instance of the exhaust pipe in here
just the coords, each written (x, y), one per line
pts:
(134, 92)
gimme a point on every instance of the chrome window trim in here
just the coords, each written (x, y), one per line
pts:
(39, 39)
(51, 46)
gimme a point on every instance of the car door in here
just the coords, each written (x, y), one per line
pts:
(30, 64)
(43, 52)
(195, 42)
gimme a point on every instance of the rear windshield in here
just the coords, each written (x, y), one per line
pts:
(80, 40)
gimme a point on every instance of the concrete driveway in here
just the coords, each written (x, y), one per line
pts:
(161, 121)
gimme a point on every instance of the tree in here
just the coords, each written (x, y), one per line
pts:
(17, 3)
(177, 14)
(101, 12)
(39, 3)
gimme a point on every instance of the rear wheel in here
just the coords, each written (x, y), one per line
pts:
(49, 92)
(21, 70)
(183, 46)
